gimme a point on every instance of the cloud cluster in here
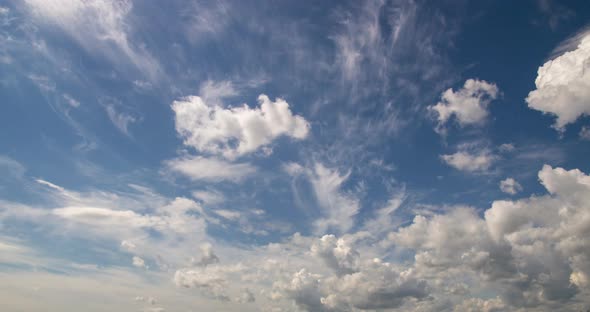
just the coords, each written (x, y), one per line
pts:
(563, 86)
(533, 252)
(235, 131)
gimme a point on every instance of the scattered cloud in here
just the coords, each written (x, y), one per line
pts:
(470, 161)
(510, 186)
(469, 105)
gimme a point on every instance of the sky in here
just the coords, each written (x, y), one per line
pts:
(400, 155)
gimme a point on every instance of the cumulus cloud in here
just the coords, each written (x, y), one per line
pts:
(210, 281)
(210, 169)
(235, 131)
(469, 105)
(532, 252)
(510, 186)
(563, 85)
(585, 133)
(465, 160)
(336, 254)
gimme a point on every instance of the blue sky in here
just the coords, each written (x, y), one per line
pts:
(294, 156)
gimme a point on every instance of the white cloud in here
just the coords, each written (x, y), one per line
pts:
(100, 27)
(563, 86)
(510, 186)
(466, 160)
(103, 216)
(532, 252)
(336, 254)
(208, 197)
(138, 262)
(71, 101)
(235, 131)
(469, 105)
(210, 169)
(120, 120)
(212, 92)
(585, 133)
(338, 208)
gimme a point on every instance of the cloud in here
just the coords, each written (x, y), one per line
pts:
(212, 92)
(120, 120)
(465, 160)
(338, 208)
(11, 167)
(100, 27)
(563, 86)
(103, 216)
(468, 105)
(208, 197)
(207, 256)
(510, 186)
(336, 254)
(585, 133)
(138, 262)
(235, 131)
(532, 252)
(210, 169)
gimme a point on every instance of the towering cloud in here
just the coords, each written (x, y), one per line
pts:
(563, 85)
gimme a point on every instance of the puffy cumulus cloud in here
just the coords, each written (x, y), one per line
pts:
(532, 252)
(468, 105)
(510, 186)
(304, 290)
(336, 254)
(470, 161)
(213, 281)
(585, 133)
(235, 131)
(563, 85)
(210, 169)
(376, 286)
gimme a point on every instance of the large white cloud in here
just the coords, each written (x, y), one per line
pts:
(235, 131)
(469, 105)
(533, 252)
(563, 86)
